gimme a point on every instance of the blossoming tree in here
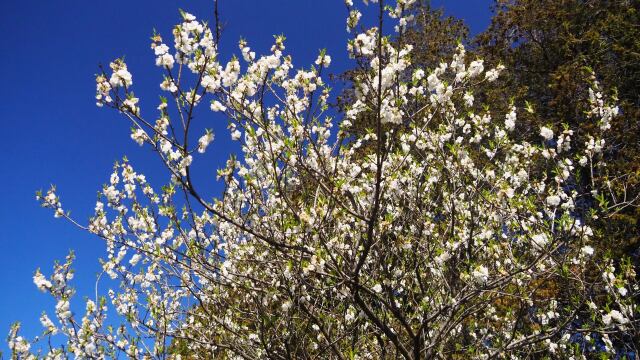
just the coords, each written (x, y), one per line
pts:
(434, 234)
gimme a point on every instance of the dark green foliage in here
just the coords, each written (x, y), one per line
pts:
(549, 48)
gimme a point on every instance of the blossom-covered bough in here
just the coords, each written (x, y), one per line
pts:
(434, 234)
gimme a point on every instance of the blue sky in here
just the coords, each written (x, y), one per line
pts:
(54, 134)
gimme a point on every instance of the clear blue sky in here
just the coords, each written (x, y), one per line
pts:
(54, 134)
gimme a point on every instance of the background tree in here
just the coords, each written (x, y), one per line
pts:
(551, 49)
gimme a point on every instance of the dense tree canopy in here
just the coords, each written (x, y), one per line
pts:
(551, 49)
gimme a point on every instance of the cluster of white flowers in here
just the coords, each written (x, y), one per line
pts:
(41, 282)
(51, 200)
(204, 141)
(18, 345)
(604, 112)
(323, 59)
(493, 74)
(120, 76)
(164, 58)
(546, 133)
(139, 136)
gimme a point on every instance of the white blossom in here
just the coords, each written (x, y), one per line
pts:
(546, 133)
